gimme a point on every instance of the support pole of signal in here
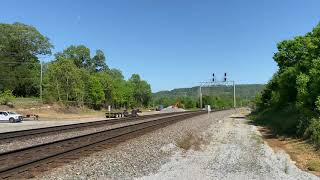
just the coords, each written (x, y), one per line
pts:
(214, 81)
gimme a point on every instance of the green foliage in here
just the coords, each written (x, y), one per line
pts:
(63, 81)
(80, 55)
(20, 46)
(244, 91)
(318, 103)
(290, 101)
(301, 86)
(187, 102)
(96, 94)
(6, 96)
(73, 77)
(313, 131)
(222, 96)
(283, 121)
(218, 101)
(141, 90)
(68, 79)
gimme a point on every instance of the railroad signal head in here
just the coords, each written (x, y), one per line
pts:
(225, 77)
(213, 77)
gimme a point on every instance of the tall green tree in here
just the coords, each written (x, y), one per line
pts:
(20, 48)
(63, 81)
(95, 92)
(99, 62)
(141, 90)
(80, 55)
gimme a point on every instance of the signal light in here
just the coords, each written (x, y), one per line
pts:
(225, 77)
(213, 77)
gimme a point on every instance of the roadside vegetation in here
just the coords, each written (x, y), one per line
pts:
(74, 77)
(290, 102)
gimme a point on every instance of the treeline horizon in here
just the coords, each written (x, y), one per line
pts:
(74, 76)
(218, 96)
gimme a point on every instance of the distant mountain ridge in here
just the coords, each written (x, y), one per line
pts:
(246, 91)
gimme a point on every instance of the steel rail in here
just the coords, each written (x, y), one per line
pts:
(19, 160)
(70, 127)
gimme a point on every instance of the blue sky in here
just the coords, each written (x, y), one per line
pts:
(173, 43)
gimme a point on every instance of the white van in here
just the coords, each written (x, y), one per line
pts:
(10, 116)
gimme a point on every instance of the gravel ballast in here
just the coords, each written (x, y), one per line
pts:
(229, 149)
(236, 151)
(136, 157)
(29, 141)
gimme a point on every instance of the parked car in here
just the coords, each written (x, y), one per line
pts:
(10, 116)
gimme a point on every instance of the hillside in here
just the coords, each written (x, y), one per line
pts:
(243, 91)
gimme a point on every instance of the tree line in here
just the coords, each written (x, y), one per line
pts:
(293, 94)
(74, 76)
(189, 102)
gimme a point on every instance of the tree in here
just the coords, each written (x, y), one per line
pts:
(80, 55)
(20, 46)
(63, 81)
(95, 92)
(98, 61)
(141, 90)
(295, 87)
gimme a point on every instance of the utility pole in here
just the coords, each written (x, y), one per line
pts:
(41, 81)
(234, 94)
(200, 96)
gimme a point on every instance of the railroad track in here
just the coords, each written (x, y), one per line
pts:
(26, 134)
(26, 162)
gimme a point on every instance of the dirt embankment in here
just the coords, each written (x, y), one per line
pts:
(304, 153)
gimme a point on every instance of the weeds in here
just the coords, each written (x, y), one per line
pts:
(191, 141)
(313, 165)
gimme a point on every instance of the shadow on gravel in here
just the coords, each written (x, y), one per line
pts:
(238, 117)
(266, 132)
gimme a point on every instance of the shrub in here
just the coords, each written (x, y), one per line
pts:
(6, 97)
(314, 131)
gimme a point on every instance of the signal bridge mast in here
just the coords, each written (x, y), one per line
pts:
(215, 82)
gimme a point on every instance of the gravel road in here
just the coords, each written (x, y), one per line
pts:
(229, 149)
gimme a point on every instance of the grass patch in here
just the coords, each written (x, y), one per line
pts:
(313, 165)
(191, 141)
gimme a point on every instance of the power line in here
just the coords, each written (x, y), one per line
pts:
(4, 79)
(2, 62)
